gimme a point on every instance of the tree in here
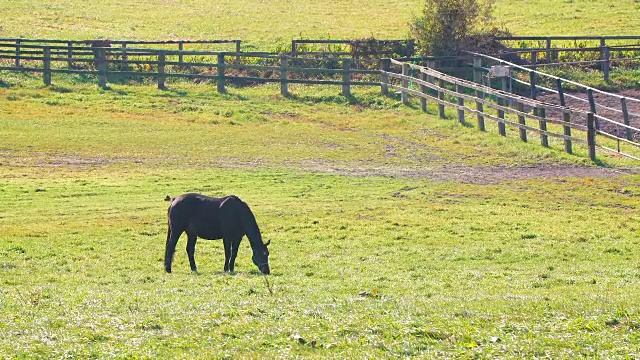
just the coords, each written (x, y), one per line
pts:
(446, 27)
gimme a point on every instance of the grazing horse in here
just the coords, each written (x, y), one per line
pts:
(227, 218)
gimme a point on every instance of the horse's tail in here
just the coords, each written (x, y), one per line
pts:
(168, 254)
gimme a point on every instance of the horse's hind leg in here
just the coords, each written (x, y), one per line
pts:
(191, 250)
(172, 240)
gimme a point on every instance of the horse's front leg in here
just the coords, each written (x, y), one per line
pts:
(191, 250)
(235, 244)
(227, 253)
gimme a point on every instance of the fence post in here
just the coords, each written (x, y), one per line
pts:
(592, 106)
(477, 78)
(384, 78)
(477, 69)
(522, 121)
(441, 98)
(102, 67)
(548, 52)
(221, 70)
(480, 108)
(566, 117)
(560, 92)
(544, 138)
(124, 52)
(606, 64)
(70, 54)
(238, 50)
(354, 53)
(423, 89)
(161, 76)
(591, 136)
(405, 84)
(625, 117)
(532, 74)
(284, 85)
(294, 48)
(460, 104)
(46, 64)
(181, 55)
(18, 53)
(501, 127)
(346, 77)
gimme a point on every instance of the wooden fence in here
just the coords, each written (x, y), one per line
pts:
(410, 79)
(431, 85)
(222, 67)
(547, 42)
(73, 45)
(612, 114)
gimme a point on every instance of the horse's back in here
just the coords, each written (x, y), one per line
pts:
(197, 213)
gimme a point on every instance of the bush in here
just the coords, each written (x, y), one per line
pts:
(447, 27)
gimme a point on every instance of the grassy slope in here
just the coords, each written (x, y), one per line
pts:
(263, 24)
(363, 266)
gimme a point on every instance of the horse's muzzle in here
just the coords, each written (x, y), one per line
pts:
(265, 270)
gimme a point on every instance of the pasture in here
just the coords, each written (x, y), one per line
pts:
(265, 25)
(393, 233)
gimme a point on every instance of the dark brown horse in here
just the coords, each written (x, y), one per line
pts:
(227, 218)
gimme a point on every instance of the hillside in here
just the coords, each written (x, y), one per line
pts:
(394, 233)
(265, 24)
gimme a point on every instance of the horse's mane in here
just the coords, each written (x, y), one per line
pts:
(249, 223)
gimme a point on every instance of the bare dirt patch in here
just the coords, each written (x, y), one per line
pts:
(472, 174)
(454, 172)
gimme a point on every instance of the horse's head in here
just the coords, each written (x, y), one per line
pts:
(261, 258)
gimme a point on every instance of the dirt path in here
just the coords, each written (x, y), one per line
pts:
(473, 174)
(455, 172)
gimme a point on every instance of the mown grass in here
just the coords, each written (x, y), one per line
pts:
(265, 25)
(245, 126)
(370, 256)
(364, 265)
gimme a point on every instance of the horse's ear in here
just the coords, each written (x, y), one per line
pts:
(267, 243)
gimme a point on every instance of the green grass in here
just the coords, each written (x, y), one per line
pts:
(246, 126)
(265, 24)
(569, 17)
(372, 256)
(362, 267)
(383, 244)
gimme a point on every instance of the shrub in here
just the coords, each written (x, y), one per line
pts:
(446, 27)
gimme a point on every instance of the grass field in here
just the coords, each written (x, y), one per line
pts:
(394, 233)
(381, 246)
(264, 25)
